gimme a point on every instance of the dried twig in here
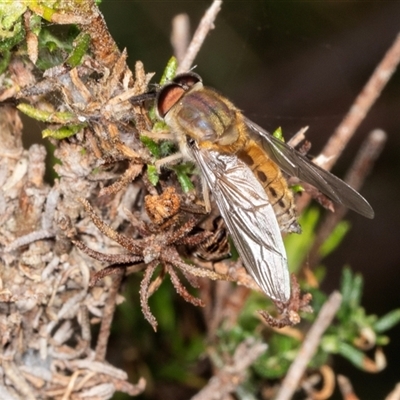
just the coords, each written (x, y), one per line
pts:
(310, 344)
(394, 394)
(206, 24)
(346, 388)
(108, 315)
(231, 376)
(180, 36)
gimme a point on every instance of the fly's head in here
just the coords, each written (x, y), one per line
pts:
(195, 112)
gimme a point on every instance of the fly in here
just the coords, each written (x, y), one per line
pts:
(242, 166)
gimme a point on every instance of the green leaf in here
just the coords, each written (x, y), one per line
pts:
(151, 145)
(278, 133)
(355, 356)
(17, 37)
(81, 46)
(152, 174)
(4, 60)
(63, 132)
(350, 311)
(335, 238)
(182, 171)
(346, 285)
(46, 116)
(297, 188)
(356, 293)
(166, 148)
(169, 71)
(10, 20)
(159, 126)
(297, 246)
(35, 24)
(388, 321)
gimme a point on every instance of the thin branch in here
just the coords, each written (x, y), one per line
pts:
(346, 388)
(180, 36)
(309, 347)
(29, 238)
(394, 394)
(206, 24)
(108, 315)
(359, 170)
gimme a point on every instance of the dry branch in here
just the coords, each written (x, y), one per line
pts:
(309, 347)
(206, 24)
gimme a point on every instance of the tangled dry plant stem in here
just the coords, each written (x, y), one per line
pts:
(309, 347)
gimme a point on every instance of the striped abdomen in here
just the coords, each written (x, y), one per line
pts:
(274, 184)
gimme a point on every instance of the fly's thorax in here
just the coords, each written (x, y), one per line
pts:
(274, 184)
(204, 116)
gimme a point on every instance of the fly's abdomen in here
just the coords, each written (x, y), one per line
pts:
(274, 184)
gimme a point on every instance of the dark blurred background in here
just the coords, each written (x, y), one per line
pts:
(297, 63)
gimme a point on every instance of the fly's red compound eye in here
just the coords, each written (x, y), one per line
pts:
(168, 96)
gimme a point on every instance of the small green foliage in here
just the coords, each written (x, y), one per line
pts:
(351, 289)
(169, 71)
(12, 30)
(11, 21)
(388, 321)
(43, 8)
(158, 150)
(160, 126)
(81, 45)
(152, 174)
(227, 341)
(297, 188)
(4, 60)
(151, 145)
(63, 132)
(353, 323)
(278, 133)
(54, 48)
(335, 238)
(166, 148)
(46, 116)
(282, 350)
(183, 171)
(299, 245)
(35, 24)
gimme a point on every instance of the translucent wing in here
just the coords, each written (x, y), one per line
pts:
(295, 164)
(250, 219)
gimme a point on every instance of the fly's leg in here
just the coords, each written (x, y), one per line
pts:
(289, 312)
(168, 160)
